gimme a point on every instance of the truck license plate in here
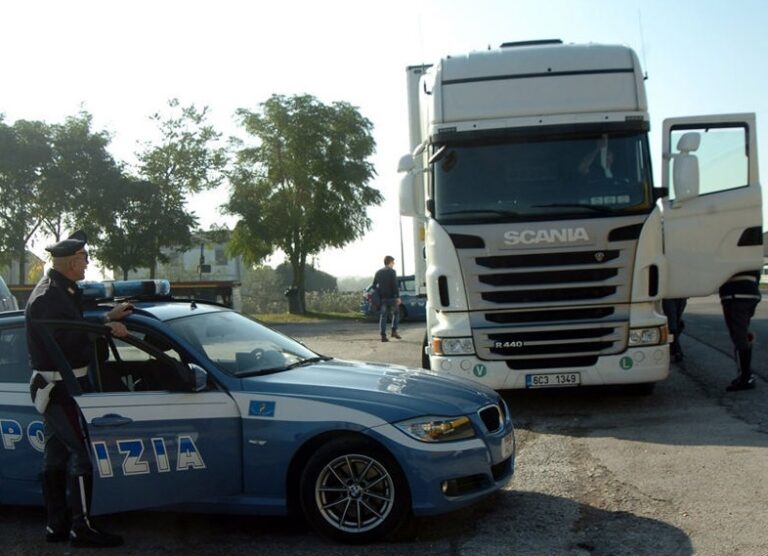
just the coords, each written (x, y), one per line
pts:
(552, 380)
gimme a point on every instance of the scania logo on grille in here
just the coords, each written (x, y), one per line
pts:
(599, 256)
(562, 235)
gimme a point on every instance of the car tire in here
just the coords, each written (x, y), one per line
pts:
(353, 491)
(402, 313)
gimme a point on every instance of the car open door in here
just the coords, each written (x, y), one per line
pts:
(713, 216)
(157, 446)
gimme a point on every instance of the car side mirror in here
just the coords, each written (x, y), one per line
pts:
(200, 377)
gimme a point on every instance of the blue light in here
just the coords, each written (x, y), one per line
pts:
(133, 288)
(124, 288)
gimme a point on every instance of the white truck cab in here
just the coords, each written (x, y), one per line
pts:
(546, 248)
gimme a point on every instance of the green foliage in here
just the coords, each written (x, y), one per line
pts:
(302, 186)
(185, 160)
(25, 156)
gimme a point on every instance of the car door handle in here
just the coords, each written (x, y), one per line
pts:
(110, 420)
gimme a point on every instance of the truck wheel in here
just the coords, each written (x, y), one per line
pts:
(353, 491)
(424, 357)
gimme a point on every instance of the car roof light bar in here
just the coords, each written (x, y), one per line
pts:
(124, 288)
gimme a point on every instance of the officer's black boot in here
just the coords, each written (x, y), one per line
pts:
(54, 482)
(675, 351)
(745, 380)
(82, 532)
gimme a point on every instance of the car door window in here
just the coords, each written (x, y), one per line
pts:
(125, 366)
(14, 359)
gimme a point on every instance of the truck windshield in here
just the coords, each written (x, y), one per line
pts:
(541, 178)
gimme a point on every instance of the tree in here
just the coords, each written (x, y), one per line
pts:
(129, 239)
(25, 155)
(53, 177)
(186, 160)
(303, 186)
(80, 187)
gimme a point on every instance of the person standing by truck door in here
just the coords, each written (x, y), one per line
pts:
(67, 476)
(739, 297)
(385, 282)
(674, 308)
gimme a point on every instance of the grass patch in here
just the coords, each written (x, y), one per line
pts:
(307, 317)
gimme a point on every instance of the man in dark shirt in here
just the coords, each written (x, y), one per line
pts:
(67, 475)
(385, 282)
(739, 297)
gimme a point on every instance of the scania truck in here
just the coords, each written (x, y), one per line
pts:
(542, 244)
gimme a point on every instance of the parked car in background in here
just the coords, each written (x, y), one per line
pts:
(7, 301)
(412, 307)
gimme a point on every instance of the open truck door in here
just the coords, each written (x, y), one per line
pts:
(713, 216)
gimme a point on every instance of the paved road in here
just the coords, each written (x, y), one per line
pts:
(599, 472)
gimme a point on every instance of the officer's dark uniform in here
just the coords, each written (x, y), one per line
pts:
(66, 463)
(739, 297)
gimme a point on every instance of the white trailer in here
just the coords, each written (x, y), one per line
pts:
(543, 246)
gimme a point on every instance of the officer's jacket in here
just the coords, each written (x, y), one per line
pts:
(56, 297)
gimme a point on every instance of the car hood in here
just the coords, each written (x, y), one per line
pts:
(390, 391)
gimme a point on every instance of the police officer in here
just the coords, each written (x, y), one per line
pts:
(67, 475)
(739, 297)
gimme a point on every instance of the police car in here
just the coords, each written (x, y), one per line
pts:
(204, 409)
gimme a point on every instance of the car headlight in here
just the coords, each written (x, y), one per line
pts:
(648, 336)
(453, 346)
(438, 429)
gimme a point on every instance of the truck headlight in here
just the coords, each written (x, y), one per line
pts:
(437, 429)
(453, 346)
(648, 336)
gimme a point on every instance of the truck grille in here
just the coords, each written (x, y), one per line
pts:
(550, 307)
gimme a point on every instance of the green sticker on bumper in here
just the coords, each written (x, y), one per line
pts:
(626, 363)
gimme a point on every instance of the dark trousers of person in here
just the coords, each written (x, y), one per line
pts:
(738, 313)
(673, 309)
(66, 465)
(388, 307)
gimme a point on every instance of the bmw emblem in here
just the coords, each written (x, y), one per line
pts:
(599, 256)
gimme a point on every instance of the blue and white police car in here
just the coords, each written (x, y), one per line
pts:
(204, 409)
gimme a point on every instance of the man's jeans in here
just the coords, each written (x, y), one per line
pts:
(388, 307)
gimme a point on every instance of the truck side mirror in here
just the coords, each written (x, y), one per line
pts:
(685, 170)
(406, 163)
(407, 191)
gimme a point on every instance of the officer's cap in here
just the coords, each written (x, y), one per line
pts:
(68, 247)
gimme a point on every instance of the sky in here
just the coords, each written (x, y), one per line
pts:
(122, 60)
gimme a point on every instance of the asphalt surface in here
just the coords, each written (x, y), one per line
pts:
(599, 472)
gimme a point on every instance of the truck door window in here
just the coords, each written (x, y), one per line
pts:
(723, 157)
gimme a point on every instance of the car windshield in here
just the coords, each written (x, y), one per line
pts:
(510, 179)
(240, 346)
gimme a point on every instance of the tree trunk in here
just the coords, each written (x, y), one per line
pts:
(295, 294)
(22, 263)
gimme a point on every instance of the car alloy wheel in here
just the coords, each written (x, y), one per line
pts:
(353, 491)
